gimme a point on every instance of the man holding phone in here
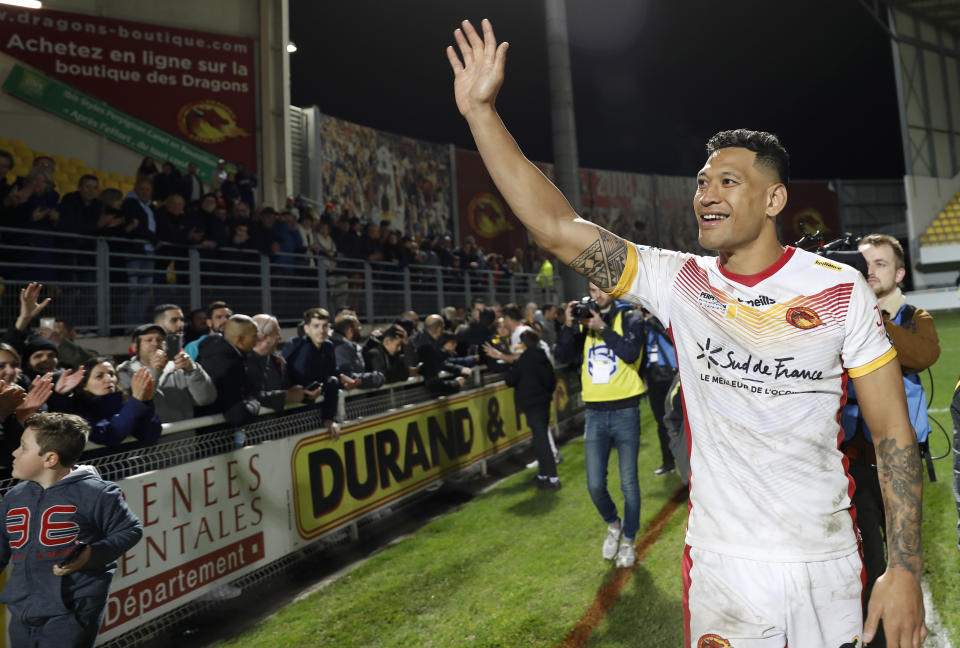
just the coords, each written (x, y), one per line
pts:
(181, 383)
(170, 317)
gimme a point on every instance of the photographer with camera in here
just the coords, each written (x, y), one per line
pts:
(607, 337)
(914, 337)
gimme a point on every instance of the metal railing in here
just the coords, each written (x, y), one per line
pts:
(108, 285)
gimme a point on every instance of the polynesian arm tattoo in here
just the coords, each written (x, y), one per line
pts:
(602, 262)
(901, 482)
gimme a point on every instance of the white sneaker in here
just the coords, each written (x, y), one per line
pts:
(610, 543)
(627, 555)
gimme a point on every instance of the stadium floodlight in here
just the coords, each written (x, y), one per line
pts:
(291, 48)
(27, 4)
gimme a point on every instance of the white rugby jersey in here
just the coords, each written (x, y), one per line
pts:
(764, 361)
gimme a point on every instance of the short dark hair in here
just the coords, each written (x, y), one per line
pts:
(85, 177)
(315, 313)
(513, 312)
(393, 332)
(769, 150)
(346, 322)
(65, 434)
(530, 339)
(66, 325)
(486, 317)
(214, 306)
(158, 311)
(6, 154)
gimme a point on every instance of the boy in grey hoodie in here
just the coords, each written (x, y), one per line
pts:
(55, 597)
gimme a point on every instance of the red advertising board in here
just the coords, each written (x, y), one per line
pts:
(483, 212)
(198, 86)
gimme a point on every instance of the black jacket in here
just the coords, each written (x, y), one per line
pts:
(393, 367)
(433, 362)
(238, 378)
(532, 378)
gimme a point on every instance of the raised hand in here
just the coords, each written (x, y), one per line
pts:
(29, 308)
(39, 393)
(159, 360)
(477, 79)
(11, 398)
(141, 385)
(69, 380)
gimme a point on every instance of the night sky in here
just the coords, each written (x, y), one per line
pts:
(652, 79)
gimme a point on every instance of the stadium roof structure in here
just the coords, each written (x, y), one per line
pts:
(945, 13)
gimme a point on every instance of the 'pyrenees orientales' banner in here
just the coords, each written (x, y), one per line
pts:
(210, 521)
(191, 84)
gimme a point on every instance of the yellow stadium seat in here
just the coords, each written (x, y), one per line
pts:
(21, 145)
(77, 161)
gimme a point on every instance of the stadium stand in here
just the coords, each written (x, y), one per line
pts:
(68, 170)
(945, 228)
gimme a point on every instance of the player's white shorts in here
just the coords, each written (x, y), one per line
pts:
(738, 603)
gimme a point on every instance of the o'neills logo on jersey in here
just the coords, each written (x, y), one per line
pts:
(708, 301)
(713, 641)
(762, 300)
(803, 317)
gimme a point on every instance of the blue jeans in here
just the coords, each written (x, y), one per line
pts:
(603, 430)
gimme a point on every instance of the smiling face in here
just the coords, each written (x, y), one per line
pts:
(737, 201)
(9, 367)
(102, 380)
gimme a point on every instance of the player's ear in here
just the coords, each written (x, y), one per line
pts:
(776, 198)
(50, 459)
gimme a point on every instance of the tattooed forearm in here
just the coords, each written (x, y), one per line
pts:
(901, 481)
(602, 262)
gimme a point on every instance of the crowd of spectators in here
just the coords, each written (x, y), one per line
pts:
(221, 362)
(167, 212)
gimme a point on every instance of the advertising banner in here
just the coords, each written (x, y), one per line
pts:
(376, 462)
(619, 202)
(191, 84)
(382, 176)
(96, 115)
(677, 223)
(210, 521)
(483, 212)
(811, 207)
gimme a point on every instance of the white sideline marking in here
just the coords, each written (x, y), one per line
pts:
(937, 637)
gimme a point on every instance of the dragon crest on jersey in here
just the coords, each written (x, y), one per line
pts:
(803, 317)
(713, 641)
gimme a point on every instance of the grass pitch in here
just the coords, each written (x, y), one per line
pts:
(519, 567)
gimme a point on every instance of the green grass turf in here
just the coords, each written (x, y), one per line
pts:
(514, 567)
(518, 567)
(941, 558)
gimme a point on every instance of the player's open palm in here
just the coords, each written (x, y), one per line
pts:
(478, 77)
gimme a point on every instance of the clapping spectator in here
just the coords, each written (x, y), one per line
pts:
(111, 414)
(181, 384)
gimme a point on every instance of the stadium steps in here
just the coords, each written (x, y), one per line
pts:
(67, 172)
